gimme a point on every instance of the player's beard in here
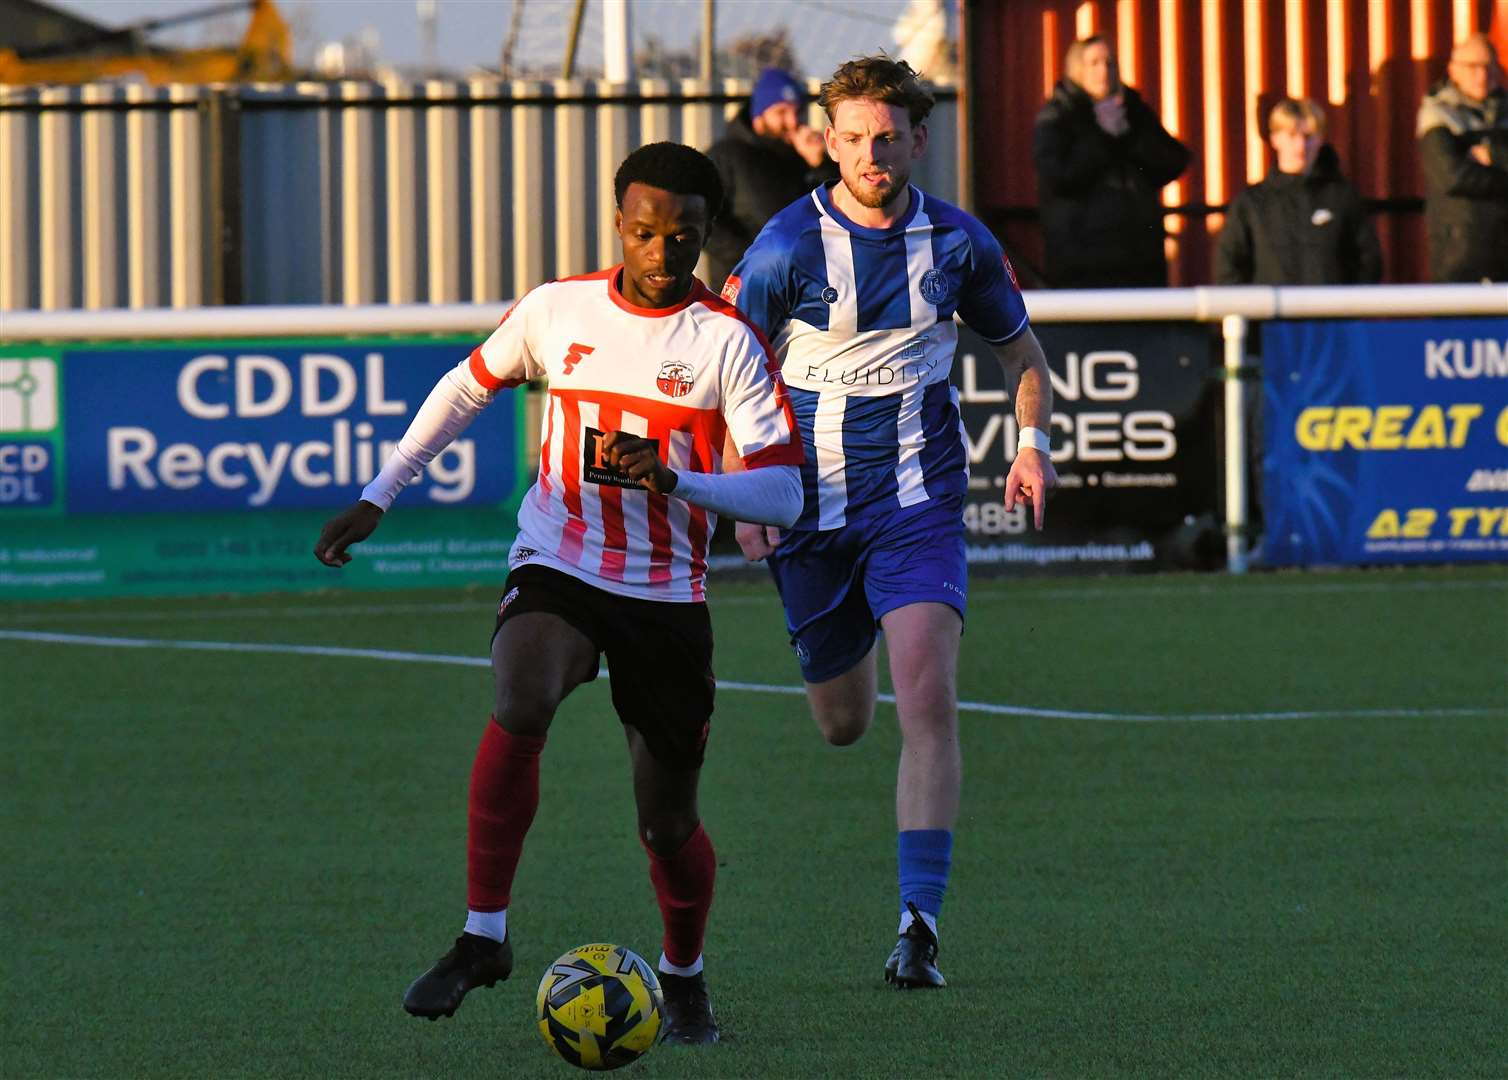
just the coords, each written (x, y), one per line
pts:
(879, 198)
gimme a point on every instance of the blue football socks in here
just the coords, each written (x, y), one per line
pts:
(923, 858)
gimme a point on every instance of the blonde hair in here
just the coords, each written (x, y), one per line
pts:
(1295, 113)
(1073, 61)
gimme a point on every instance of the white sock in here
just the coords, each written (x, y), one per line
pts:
(927, 917)
(693, 968)
(493, 924)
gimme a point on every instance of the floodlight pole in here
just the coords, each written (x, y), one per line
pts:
(709, 39)
(617, 41)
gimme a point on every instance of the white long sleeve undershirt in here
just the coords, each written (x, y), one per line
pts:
(768, 496)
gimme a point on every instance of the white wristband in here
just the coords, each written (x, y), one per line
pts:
(1032, 439)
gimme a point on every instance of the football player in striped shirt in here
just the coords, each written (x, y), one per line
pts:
(856, 286)
(650, 376)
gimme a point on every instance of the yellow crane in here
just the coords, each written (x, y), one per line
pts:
(265, 53)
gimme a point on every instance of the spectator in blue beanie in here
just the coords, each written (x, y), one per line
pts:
(768, 158)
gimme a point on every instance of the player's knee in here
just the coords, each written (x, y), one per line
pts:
(524, 710)
(665, 834)
(842, 727)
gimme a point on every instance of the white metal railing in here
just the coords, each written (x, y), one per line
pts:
(1233, 307)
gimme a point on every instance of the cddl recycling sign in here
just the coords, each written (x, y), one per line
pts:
(208, 467)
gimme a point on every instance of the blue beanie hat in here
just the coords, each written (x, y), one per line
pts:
(773, 87)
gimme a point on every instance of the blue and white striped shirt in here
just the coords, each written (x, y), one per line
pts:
(861, 320)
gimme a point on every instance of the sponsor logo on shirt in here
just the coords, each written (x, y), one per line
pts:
(675, 378)
(1010, 271)
(505, 601)
(594, 466)
(575, 354)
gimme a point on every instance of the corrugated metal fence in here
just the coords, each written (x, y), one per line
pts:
(135, 196)
(1212, 70)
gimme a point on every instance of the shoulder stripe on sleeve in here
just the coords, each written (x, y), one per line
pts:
(1013, 335)
(786, 453)
(485, 378)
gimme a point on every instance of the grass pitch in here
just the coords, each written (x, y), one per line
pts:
(230, 864)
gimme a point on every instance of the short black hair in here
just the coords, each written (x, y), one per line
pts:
(672, 167)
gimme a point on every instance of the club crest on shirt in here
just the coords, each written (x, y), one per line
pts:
(934, 286)
(829, 295)
(1322, 216)
(675, 378)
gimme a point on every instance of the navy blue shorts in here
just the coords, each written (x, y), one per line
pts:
(837, 584)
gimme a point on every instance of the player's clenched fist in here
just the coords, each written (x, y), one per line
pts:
(639, 460)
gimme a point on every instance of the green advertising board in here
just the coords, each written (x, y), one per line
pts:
(209, 466)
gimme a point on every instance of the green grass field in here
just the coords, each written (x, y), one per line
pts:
(230, 864)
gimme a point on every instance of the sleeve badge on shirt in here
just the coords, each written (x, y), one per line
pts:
(731, 289)
(934, 286)
(1010, 271)
(675, 378)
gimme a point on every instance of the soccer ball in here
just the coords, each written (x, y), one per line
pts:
(600, 1006)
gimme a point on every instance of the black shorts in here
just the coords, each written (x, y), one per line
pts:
(659, 655)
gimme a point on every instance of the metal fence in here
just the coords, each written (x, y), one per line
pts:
(355, 193)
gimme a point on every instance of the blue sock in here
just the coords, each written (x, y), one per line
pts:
(923, 858)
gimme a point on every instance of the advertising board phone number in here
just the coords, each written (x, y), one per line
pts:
(993, 519)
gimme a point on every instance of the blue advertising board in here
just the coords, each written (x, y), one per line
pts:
(206, 467)
(1385, 441)
(165, 430)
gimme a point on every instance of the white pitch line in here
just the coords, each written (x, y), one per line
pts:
(990, 708)
(484, 603)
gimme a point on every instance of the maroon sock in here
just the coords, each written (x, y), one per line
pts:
(504, 796)
(683, 886)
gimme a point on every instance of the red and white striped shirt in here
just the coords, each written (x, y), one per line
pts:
(685, 377)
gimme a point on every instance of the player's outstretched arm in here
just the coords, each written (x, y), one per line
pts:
(351, 526)
(1032, 476)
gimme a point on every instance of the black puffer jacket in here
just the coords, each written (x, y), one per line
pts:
(761, 177)
(1099, 193)
(1465, 202)
(1299, 229)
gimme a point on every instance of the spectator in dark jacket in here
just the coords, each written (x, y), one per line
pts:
(768, 159)
(1463, 145)
(1102, 159)
(1304, 224)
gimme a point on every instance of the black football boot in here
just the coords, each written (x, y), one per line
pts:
(688, 1010)
(913, 961)
(474, 961)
